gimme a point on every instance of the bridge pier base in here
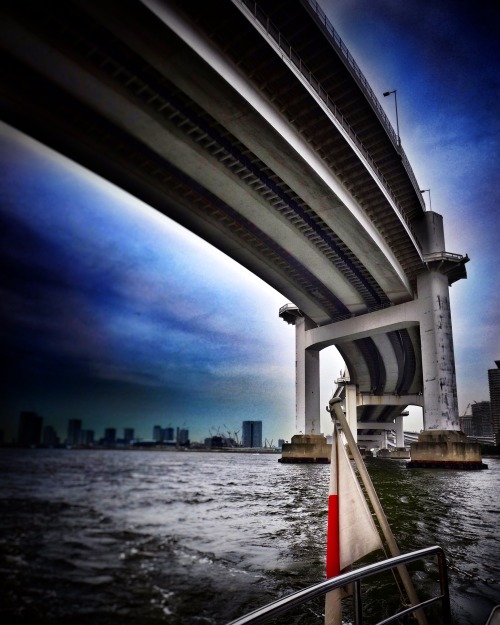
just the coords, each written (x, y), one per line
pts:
(445, 449)
(306, 448)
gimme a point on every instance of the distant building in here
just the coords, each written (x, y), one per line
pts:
(252, 434)
(128, 435)
(30, 429)
(86, 437)
(157, 433)
(215, 442)
(74, 428)
(110, 436)
(164, 435)
(281, 442)
(183, 437)
(50, 438)
(494, 384)
(466, 424)
(168, 435)
(481, 419)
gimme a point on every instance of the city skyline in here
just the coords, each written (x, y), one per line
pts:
(113, 312)
(32, 431)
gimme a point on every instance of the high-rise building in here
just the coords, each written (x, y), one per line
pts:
(110, 436)
(30, 429)
(128, 435)
(183, 437)
(494, 384)
(86, 437)
(481, 419)
(252, 434)
(168, 435)
(74, 428)
(466, 424)
(157, 433)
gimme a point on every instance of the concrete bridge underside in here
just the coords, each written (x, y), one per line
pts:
(251, 126)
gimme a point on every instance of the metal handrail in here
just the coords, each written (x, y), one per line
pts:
(285, 604)
(442, 256)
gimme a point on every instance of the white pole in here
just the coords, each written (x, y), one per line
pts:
(335, 407)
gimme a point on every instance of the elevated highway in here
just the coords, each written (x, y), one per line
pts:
(252, 126)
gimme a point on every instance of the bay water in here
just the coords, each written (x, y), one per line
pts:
(185, 538)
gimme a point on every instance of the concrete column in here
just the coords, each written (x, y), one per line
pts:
(312, 394)
(400, 435)
(300, 376)
(307, 383)
(441, 443)
(384, 439)
(351, 409)
(438, 360)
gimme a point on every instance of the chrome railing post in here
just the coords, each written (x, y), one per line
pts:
(443, 583)
(358, 606)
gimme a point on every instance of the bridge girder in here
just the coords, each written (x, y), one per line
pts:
(202, 118)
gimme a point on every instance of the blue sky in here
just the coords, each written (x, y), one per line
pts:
(114, 314)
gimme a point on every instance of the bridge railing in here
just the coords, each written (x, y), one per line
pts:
(340, 46)
(273, 32)
(434, 256)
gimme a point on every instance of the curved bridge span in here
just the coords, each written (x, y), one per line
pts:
(252, 126)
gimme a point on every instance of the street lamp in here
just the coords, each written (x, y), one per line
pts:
(386, 93)
(429, 192)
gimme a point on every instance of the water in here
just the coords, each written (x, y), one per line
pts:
(179, 538)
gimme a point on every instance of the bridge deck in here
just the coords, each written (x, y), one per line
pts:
(249, 125)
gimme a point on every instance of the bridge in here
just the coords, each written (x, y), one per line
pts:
(253, 126)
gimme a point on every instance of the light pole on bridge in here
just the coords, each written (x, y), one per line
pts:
(429, 192)
(394, 91)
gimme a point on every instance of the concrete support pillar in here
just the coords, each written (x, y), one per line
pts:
(438, 360)
(300, 376)
(312, 393)
(351, 409)
(441, 443)
(307, 383)
(384, 439)
(400, 435)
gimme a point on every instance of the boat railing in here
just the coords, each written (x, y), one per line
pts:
(285, 604)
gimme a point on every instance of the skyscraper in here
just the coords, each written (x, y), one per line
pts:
(74, 427)
(30, 429)
(183, 437)
(252, 434)
(494, 383)
(481, 418)
(109, 436)
(86, 437)
(128, 435)
(169, 434)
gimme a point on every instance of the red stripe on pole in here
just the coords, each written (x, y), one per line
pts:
(332, 538)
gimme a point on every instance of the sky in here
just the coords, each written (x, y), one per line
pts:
(114, 314)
